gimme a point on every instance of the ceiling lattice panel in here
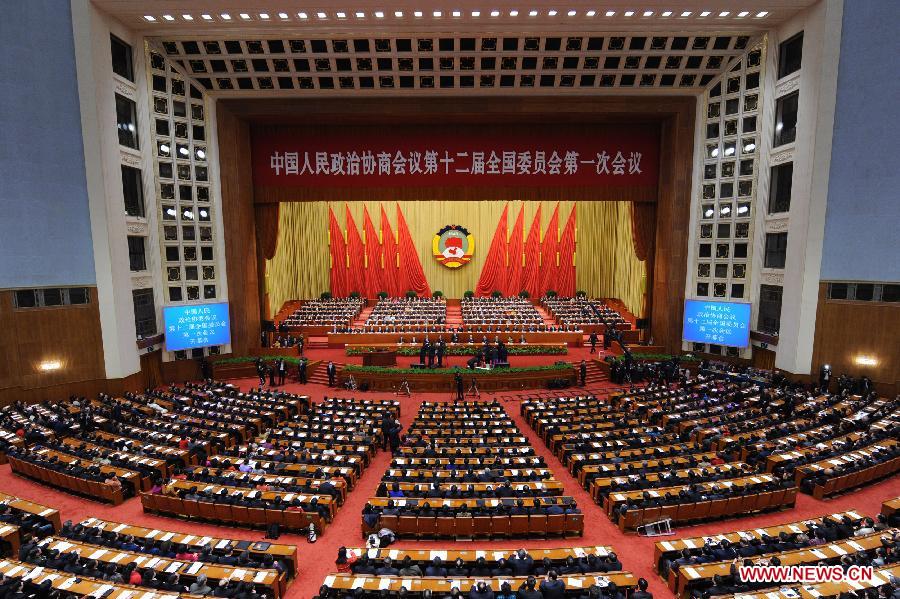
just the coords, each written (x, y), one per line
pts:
(649, 63)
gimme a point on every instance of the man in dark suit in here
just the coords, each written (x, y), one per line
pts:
(459, 386)
(422, 352)
(583, 372)
(441, 349)
(431, 353)
(282, 371)
(301, 371)
(331, 369)
(642, 593)
(593, 340)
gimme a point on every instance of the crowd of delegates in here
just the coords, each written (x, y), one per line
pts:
(393, 315)
(548, 587)
(326, 312)
(759, 552)
(513, 313)
(582, 312)
(714, 437)
(465, 451)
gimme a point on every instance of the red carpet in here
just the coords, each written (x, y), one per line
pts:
(316, 561)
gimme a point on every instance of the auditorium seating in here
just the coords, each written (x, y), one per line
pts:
(695, 578)
(409, 314)
(583, 312)
(440, 570)
(295, 474)
(494, 311)
(449, 495)
(325, 312)
(206, 549)
(66, 472)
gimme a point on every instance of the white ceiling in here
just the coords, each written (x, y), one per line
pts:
(473, 47)
(360, 17)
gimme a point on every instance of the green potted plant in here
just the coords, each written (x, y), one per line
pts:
(411, 294)
(437, 294)
(581, 294)
(469, 294)
(354, 294)
(325, 295)
(523, 294)
(496, 293)
(551, 293)
(382, 295)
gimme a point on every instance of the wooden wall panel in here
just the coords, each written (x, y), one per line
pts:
(846, 331)
(242, 262)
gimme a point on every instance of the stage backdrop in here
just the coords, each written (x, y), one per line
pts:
(605, 260)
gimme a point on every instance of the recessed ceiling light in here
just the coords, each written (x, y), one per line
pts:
(552, 13)
(437, 14)
(591, 13)
(187, 17)
(244, 16)
(532, 13)
(476, 13)
(418, 13)
(705, 13)
(225, 16)
(206, 17)
(761, 14)
(514, 13)
(263, 15)
(168, 17)
(648, 13)
(686, 13)
(629, 13)
(321, 15)
(342, 15)
(282, 15)
(379, 15)
(743, 14)
(667, 13)
(495, 13)
(149, 18)
(302, 15)
(724, 13)
(397, 13)
(610, 13)
(457, 13)
(572, 13)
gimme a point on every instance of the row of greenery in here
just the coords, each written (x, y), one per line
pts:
(550, 368)
(470, 350)
(411, 294)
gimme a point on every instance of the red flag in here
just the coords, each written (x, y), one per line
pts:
(514, 250)
(566, 285)
(493, 273)
(412, 275)
(374, 266)
(531, 277)
(391, 275)
(356, 276)
(338, 249)
(549, 248)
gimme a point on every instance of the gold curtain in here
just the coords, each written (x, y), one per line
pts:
(605, 262)
(300, 268)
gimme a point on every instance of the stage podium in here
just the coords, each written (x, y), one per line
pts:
(380, 357)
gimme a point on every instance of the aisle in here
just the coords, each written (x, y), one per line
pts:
(317, 560)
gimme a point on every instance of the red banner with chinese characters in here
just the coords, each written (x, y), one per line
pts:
(421, 156)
